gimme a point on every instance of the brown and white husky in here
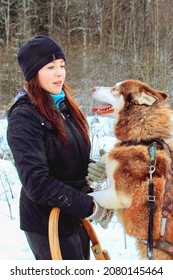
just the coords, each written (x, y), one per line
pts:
(142, 117)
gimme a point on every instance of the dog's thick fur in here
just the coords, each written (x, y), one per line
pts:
(141, 114)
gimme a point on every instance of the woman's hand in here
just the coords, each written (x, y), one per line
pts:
(101, 215)
(97, 170)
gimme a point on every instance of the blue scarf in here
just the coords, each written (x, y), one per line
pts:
(58, 98)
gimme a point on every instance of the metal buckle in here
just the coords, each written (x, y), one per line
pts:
(151, 197)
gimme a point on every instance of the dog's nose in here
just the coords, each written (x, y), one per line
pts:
(93, 89)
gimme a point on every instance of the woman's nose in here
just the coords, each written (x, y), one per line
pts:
(58, 72)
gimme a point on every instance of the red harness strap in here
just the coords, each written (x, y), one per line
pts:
(168, 201)
(163, 246)
(167, 208)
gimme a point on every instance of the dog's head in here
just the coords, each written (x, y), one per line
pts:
(125, 94)
(132, 103)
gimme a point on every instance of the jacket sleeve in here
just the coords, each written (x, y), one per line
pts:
(25, 138)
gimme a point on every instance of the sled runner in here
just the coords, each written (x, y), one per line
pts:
(99, 254)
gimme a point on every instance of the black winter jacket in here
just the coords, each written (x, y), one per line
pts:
(47, 168)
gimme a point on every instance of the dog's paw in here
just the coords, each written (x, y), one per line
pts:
(108, 198)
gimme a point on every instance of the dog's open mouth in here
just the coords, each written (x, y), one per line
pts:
(103, 109)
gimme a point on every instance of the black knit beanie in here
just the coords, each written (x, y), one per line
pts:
(36, 53)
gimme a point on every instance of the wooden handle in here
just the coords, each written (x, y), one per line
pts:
(99, 254)
(53, 234)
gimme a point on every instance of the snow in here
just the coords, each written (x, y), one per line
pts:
(13, 244)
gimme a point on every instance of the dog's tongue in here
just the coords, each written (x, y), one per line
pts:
(100, 108)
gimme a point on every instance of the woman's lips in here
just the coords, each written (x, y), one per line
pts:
(58, 83)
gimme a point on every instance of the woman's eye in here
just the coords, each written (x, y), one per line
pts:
(50, 67)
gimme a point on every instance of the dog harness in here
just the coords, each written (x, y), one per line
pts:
(167, 207)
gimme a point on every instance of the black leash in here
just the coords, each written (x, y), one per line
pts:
(151, 200)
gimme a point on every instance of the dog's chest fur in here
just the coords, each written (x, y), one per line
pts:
(130, 180)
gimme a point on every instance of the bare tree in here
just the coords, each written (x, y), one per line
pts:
(104, 40)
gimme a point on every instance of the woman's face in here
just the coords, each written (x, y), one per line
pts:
(51, 77)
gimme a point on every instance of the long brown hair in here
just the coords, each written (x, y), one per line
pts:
(43, 101)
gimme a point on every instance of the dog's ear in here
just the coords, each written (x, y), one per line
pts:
(143, 98)
(163, 94)
(148, 98)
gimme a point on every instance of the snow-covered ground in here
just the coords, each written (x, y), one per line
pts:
(13, 245)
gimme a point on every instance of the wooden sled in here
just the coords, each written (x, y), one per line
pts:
(99, 254)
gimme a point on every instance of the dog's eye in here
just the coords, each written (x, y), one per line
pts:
(114, 88)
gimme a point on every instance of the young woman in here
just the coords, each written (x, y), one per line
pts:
(48, 136)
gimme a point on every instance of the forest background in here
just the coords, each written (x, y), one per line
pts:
(105, 41)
